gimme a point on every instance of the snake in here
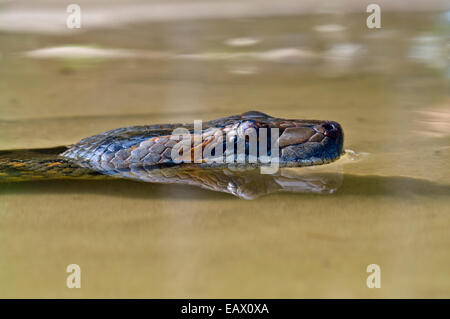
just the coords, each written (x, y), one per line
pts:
(146, 153)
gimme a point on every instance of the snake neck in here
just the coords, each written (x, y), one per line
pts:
(38, 164)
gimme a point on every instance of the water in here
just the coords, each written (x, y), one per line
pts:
(388, 88)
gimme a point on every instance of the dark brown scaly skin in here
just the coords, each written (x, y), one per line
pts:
(144, 153)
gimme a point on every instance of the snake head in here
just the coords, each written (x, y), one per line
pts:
(311, 143)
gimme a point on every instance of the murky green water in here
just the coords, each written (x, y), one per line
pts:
(388, 88)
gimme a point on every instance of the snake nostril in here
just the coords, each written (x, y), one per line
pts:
(327, 127)
(331, 130)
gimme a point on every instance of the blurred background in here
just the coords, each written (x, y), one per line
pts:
(147, 62)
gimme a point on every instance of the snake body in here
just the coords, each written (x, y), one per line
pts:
(145, 152)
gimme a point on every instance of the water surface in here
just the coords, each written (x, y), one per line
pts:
(388, 88)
